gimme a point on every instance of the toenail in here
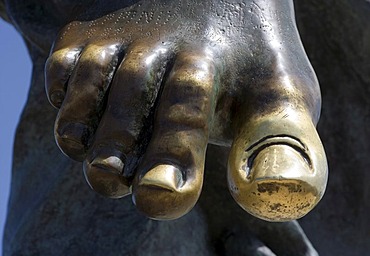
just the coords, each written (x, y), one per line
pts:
(104, 176)
(74, 132)
(163, 176)
(112, 164)
(72, 139)
(57, 98)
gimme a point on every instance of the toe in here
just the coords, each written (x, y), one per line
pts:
(170, 176)
(58, 69)
(80, 112)
(277, 164)
(278, 184)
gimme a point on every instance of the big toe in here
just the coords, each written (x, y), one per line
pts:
(278, 177)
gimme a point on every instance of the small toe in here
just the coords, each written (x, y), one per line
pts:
(80, 113)
(58, 69)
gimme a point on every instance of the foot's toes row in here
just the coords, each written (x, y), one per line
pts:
(277, 166)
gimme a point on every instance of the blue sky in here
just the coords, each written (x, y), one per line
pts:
(15, 75)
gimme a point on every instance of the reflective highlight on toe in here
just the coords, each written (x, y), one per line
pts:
(163, 193)
(104, 175)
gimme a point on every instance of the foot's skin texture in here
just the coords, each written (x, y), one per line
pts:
(141, 92)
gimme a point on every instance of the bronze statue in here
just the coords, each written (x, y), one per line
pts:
(156, 83)
(143, 87)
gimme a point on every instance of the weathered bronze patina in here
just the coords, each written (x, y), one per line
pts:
(142, 90)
